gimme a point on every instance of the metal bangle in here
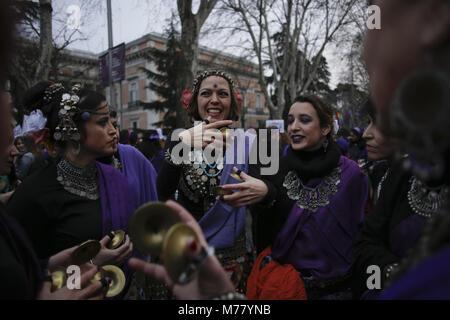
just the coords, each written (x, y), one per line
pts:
(195, 264)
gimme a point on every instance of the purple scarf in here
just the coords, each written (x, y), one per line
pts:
(118, 206)
(223, 224)
(140, 174)
(430, 280)
(322, 242)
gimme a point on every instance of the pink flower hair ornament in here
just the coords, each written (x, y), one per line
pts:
(186, 99)
(238, 98)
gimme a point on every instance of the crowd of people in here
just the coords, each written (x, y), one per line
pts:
(338, 205)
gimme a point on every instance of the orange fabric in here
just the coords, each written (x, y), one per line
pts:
(274, 281)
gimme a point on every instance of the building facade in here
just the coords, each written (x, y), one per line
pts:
(131, 92)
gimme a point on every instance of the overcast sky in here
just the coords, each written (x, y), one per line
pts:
(133, 19)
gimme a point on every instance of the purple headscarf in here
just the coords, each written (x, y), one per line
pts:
(223, 224)
(322, 241)
(118, 206)
(140, 174)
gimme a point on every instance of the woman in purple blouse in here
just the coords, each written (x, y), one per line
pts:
(316, 207)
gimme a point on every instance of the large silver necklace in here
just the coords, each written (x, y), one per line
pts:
(426, 201)
(79, 181)
(200, 179)
(312, 198)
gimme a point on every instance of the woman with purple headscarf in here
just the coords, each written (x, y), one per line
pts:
(306, 234)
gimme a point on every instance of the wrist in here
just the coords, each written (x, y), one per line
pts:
(232, 295)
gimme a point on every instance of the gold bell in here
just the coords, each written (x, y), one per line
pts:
(222, 192)
(85, 252)
(155, 228)
(235, 176)
(117, 240)
(59, 278)
(117, 279)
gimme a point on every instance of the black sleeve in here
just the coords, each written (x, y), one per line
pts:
(169, 175)
(30, 215)
(13, 275)
(372, 244)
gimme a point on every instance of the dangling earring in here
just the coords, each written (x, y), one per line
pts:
(420, 114)
(76, 147)
(325, 145)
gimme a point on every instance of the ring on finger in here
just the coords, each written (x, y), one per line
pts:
(196, 262)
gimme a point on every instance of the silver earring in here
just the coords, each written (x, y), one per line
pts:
(325, 145)
(76, 147)
(420, 116)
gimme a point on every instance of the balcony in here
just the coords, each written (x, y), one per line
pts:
(134, 105)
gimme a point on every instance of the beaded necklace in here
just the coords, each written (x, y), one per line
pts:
(79, 181)
(426, 201)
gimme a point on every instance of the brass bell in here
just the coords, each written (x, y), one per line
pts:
(59, 278)
(235, 176)
(117, 240)
(85, 252)
(175, 260)
(157, 229)
(222, 192)
(117, 279)
(149, 225)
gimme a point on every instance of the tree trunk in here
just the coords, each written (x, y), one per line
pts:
(189, 48)
(46, 41)
(191, 25)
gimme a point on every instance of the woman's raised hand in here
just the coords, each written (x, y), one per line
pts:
(204, 133)
(210, 280)
(251, 191)
(88, 290)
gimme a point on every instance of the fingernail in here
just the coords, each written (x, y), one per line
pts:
(193, 245)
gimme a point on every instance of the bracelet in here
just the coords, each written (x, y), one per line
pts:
(168, 158)
(230, 296)
(187, 275)
(388, 270)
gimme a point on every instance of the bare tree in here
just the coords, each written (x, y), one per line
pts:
(306, 26)
(40, 51)
(46, 40)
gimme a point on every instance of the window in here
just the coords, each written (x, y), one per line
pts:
(134, 123)
(258, 102)
(133, 92)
